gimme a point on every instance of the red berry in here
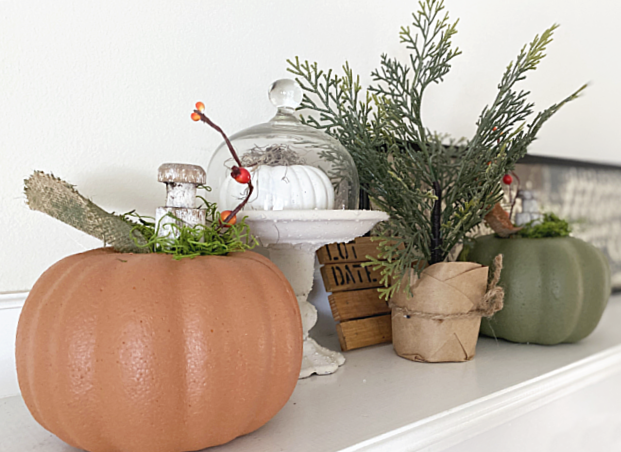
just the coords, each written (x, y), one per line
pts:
(494, 129)
(507, 179)
(200, 106)
(195, 116)
(241, 175)
(224, 215)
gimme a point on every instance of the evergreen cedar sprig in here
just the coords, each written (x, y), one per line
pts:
(435, 189)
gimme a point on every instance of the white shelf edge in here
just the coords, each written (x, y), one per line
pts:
(10, 307)
(13, 300)
(451, 427)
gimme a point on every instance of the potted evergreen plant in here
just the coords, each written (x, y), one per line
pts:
(435, 189)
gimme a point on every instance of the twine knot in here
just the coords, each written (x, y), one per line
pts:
(492, 301)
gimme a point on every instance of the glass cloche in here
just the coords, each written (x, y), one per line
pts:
(292, 166)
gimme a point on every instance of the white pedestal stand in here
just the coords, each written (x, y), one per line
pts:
(292, 237)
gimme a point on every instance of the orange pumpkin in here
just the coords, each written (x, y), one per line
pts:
(142, 353)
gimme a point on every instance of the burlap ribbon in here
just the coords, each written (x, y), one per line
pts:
(491, 302)
(60, 200)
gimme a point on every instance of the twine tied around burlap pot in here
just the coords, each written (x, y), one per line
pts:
(440, 322)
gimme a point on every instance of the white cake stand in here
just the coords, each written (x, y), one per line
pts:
(292, 237)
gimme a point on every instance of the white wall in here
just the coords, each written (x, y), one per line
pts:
(100, 92)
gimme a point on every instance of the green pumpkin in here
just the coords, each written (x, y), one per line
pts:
(556, 289)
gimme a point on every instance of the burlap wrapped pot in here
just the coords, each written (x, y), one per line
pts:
(440, 321)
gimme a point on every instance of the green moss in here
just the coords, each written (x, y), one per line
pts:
(210, 239)
(552, 226)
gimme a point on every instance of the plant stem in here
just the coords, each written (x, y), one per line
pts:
(209, 122)
(516, 193)
(436, 219)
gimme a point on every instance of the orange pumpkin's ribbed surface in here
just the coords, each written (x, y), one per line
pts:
(142, 353)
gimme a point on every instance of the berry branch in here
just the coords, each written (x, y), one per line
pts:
(240, 174)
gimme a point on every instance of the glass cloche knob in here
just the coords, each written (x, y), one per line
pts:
(285, 93)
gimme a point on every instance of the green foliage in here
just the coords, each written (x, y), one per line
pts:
(552, 226)
(210, 239)
(400, 161)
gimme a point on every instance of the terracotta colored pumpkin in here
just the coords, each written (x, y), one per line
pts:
(556, 289)
(142, 353)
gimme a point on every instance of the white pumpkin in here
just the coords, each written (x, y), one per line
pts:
(295, 187)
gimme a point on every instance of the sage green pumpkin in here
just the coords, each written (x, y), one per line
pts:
(556, 289)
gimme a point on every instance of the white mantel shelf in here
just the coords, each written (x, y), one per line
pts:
(380, 402)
